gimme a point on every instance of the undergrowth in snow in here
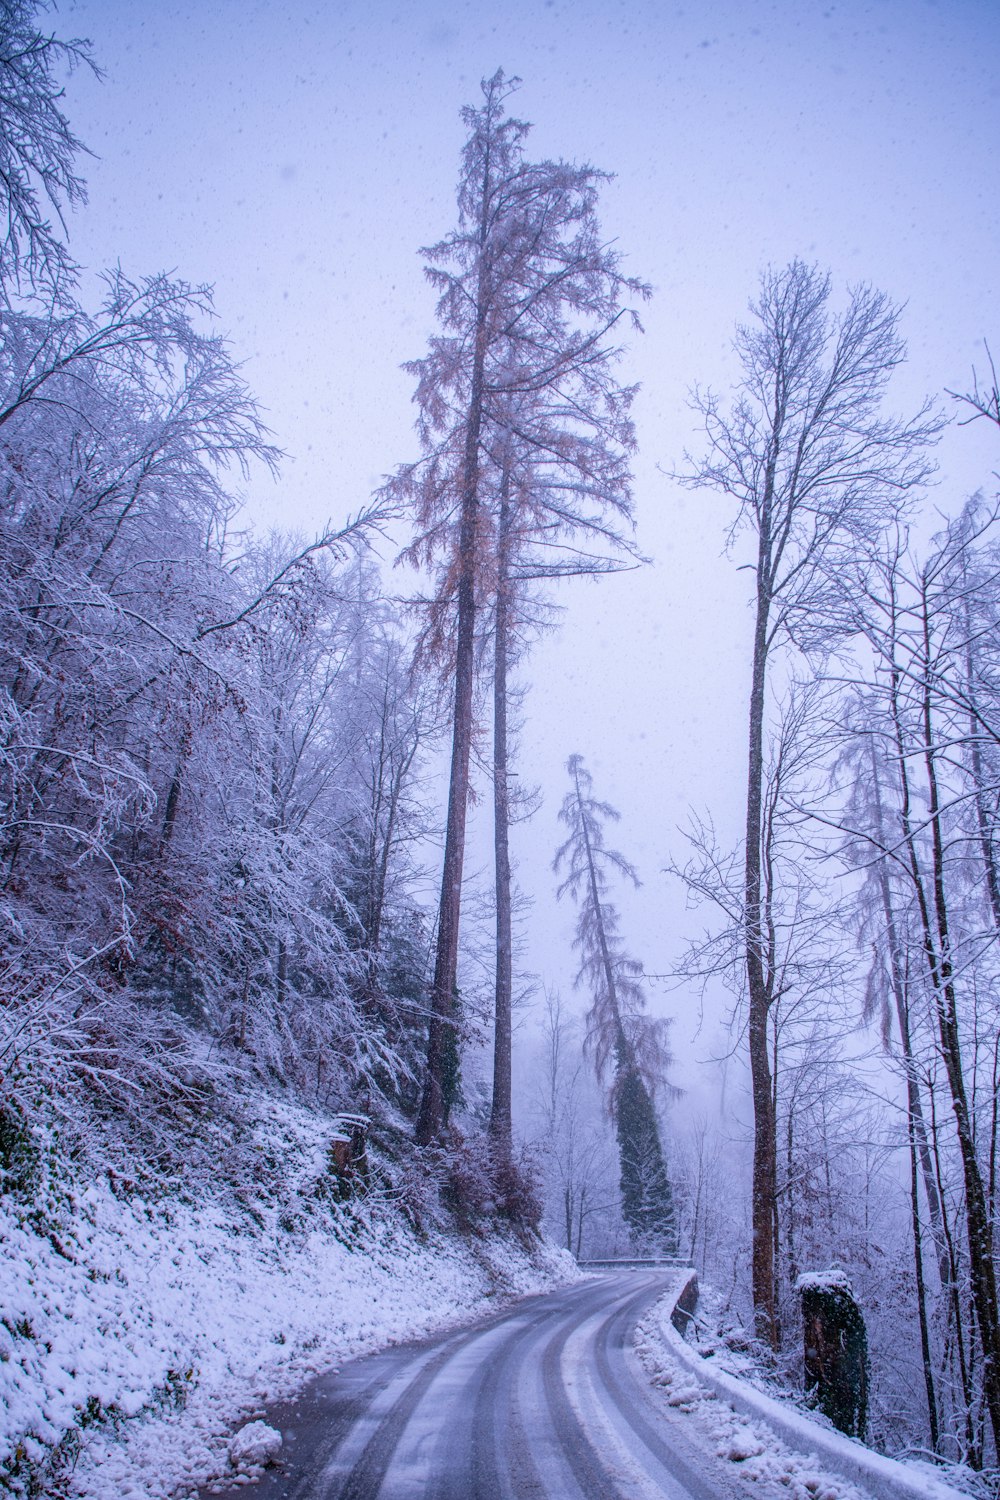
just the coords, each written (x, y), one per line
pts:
(136, 1329)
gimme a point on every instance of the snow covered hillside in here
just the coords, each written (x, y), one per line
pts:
(136, 1330)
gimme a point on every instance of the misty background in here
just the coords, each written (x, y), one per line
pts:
(297, 157)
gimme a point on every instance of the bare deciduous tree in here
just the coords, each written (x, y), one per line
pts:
(38, 149)
(938, 718)
(816, 471)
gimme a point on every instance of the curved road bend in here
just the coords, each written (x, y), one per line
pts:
(545, 1401)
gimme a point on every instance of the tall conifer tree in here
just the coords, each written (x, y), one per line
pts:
(628, 1045)
(520, 373)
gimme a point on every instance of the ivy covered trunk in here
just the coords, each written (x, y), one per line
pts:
(836, 1350)
(626, 1042)
(647, 1196)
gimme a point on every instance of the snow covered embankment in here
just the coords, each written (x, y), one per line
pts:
(133, 1336)
(775, 1445)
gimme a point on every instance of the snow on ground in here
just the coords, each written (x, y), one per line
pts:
(134, 1334)
(772, 1468)
(747, 1433)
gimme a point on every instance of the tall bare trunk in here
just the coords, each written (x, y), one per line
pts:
(984, 822)
(955, 1347)
(500, 1118)
(979, 1229)
(791, 1253)
(932, 905)
(765, 1172)
(918, 1264)
(378, 871)
(914, 1105)
(434, 1106)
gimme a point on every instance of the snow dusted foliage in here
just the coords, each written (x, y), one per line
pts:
(112, 431)
(207, 741)
(37, 148)
(192, 797)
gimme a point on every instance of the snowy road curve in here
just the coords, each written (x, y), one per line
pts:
(544, 1402)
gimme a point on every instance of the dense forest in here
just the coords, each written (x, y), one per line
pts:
(220, 752)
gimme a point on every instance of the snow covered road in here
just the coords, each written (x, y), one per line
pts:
(545, 1400)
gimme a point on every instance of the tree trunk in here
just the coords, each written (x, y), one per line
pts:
(378, 875)
(791, 1254)
(918, 1264)
(281, 975)
(434, 1105)
(500, 1117)
(983, 821)
(936, 942)
(920, 894)
(765, 1172)
(973, 1455)
(173, 800)
(914, 1106)
(979, 1229)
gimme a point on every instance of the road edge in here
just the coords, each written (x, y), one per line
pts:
(886, 1478)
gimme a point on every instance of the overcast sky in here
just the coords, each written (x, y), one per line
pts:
(296, 156)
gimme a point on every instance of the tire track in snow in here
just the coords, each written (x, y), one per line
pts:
(540, 1402)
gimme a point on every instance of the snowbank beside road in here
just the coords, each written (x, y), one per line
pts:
(686, 1372)
(135, 1334)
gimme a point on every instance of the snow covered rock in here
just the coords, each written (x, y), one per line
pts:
(836, 1350)
(254, 1444)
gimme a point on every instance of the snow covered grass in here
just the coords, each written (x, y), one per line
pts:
(136, 1331)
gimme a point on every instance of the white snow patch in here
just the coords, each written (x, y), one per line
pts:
(774, 1470)
(254, 1445)
(834, 1280)
(741, 1443)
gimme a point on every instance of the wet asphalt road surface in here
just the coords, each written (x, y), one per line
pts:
(545, 1401)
